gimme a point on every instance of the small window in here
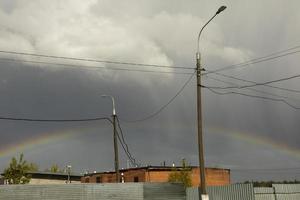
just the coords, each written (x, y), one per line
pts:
(136, 179)
(98, 179)
(87, 180)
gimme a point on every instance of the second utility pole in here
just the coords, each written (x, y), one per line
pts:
(116, 162)
(116, 148)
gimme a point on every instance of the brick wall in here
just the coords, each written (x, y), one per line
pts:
(214, 176)
(103, 177)
(158, 176)
(131, 175)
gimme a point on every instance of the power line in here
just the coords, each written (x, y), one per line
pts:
(164, 106)
(249, 81)
(125, 145)
(252, 89)
(254, 96)
(54, 120)
(267, 172)
(122, 140)
(256, 84)
(93, 60)
(85, 67)
(124, 148)
(265, 169)
(256, 60)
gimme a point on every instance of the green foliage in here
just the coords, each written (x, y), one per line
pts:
(54, 169)
(33, 167)
(269, 183)
(181, 175)
(17, 172)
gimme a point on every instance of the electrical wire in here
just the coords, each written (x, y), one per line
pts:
(267, 172)
(93, 60)
(248, 95)
(256, 60)
(54, 120)
(125, 145)
(164, 106)
(265, 169)
(85, 67)
(124, 148)
(256, 84)
(147, 65)
(252, 89)
(122, 140)
(249, 81)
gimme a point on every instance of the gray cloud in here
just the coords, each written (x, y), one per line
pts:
(156, 32)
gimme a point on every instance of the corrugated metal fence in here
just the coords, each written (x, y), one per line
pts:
(247, 192)
(278, 192)
(287, 191)
(264, 193)
(146, 191)
(229, 192)
(128, 191)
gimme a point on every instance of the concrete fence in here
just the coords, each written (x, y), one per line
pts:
(228, 192)
(112, 191)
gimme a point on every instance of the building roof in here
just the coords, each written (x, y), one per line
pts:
(153, 168)
(54, 173)
(55, 176)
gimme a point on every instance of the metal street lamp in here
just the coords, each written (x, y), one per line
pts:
(202, 194)
(115, 138)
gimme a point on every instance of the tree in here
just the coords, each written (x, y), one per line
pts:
(270, 183)
(54, 169)
(182, 175)
(17, 172)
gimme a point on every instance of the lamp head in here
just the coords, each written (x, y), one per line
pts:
(222, 8)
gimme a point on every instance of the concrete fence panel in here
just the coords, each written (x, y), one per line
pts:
(229, 192)
(110, 191)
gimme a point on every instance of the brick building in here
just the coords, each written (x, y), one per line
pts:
(159, 174)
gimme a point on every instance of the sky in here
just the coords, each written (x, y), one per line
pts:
(258, 139)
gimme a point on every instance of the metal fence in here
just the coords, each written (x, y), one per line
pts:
(146, 191)
(229, 192)
(247, 192)
(278, 192)
(128, 191)
(287, 191)
(264, 193)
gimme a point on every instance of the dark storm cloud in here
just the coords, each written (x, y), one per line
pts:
(146, 32)
(44, 93)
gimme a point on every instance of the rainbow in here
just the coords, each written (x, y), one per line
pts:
(37, 141)
(252, 138)
(66, 134)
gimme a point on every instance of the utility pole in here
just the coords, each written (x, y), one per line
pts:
(199, 123)
(202, 193)
(116, 161)
(116, 150)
